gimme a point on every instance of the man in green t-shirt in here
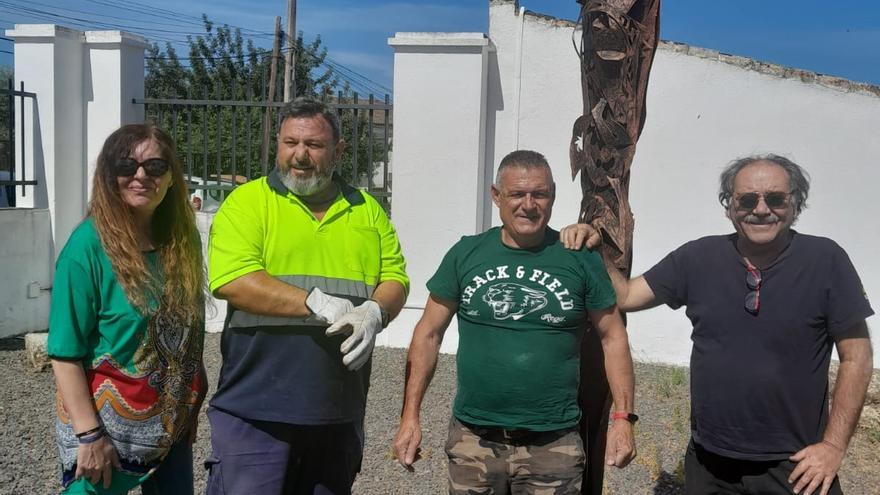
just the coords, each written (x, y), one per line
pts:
(522, 300)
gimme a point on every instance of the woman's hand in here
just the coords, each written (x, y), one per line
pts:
(96, 461)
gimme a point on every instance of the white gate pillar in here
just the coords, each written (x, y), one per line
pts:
(440, 175)
(114, 76)
(84, 84)
(49, 60)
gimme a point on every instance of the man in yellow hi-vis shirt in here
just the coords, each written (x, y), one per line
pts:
(312, 271)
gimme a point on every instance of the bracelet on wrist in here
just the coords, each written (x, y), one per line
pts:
(92, 437)
(88, 432)
(625, 415)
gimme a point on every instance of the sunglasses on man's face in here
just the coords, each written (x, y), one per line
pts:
(127, 167)
(749, 201)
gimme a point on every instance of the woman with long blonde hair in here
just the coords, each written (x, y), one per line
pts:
(126, 325)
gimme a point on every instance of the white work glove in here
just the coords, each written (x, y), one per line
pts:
(327, 308)
(363, 323)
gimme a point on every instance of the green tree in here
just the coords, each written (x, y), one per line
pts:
(218, 139)
(222, 66)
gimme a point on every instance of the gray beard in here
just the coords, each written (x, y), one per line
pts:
(306, 187)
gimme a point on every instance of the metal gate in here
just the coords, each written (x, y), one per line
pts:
(12, 172)
(220, 142)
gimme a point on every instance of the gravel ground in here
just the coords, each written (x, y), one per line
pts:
(28, 459)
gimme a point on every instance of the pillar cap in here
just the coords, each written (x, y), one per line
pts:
(116, 37)
(41, 32)
(438, 39)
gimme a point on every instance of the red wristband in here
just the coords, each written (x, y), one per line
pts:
(632, 418)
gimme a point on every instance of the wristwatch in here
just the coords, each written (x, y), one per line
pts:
(632, 418)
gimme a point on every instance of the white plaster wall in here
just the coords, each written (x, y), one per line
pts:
(539, 80)
(25, 261)
(215, 309)
(701, 114)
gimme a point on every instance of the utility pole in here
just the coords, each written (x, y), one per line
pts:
(290, 55)
(267, 116)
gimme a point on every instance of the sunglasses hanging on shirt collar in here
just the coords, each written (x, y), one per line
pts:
(753, 297)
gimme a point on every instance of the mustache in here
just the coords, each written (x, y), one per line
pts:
(756, 220)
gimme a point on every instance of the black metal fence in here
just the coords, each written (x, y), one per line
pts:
(12, 171)
(222, 142)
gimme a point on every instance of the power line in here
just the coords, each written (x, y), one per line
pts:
(347, 74)
(350, 70)
(86, 24)
(168, 14)
(148, 12)
(39, 12)
(99, 14)
(173, 36)
(357, 75)
(354, 78)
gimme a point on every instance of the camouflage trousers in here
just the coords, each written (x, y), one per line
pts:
(484, 461)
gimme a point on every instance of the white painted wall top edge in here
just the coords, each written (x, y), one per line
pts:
(117, 37)
(746, 63)
(438, 39)
(775, 70)
(22, 32)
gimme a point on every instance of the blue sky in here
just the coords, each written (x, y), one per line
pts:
(839, 38)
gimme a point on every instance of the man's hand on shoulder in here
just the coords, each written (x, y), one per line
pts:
(578, 235)
(816, 468)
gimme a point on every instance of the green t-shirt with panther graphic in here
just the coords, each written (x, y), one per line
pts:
(521, 315)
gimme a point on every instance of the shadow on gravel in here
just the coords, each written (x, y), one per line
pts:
(12, 344)
(668, 484)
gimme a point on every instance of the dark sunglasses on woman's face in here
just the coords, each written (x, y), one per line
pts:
(127, 167)
(749, 201)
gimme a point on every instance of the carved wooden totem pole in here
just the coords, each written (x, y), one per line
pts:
(618, 41)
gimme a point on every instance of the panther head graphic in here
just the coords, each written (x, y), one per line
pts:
(509, 300)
